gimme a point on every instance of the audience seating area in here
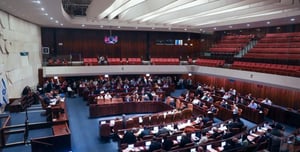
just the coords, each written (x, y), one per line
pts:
(210, 62)
(164, 61)
(231, 44)
(280, 46)
(90, 61)
(118, 61)
(291, 70)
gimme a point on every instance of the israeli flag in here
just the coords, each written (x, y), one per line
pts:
(3, 94)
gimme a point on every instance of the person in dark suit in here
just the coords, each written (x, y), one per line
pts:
(145, 132)
(167, 144)
(231, 145)
(163, 131)
(155, 145)
(184, 140)
(129, 138)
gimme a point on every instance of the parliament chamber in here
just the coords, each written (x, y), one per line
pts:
(144, 76)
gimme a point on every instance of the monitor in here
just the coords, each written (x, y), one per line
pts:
(110, 39)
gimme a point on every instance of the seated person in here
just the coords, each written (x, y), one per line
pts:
(267, 101)
(184, 140)
(232, 144)
(155, 145)
(49, 97)
(253, 105)
(145, 132)
(167, 144)
(204, 138)
(129, 138)
(163, 131)
(107, 96)
(236, 123)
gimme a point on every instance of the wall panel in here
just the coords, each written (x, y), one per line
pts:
(280, 96)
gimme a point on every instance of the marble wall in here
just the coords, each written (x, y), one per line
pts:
(20, 55)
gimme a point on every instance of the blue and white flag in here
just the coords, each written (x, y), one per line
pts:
(3, 93)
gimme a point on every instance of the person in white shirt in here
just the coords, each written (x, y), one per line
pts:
(267, 101)
(203, 138)
(253, 105)
(107, 96)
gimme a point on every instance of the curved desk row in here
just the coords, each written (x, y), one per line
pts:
(283, 115)
(127, 108)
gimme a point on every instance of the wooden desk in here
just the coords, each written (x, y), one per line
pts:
(127, 108)
(60, 129)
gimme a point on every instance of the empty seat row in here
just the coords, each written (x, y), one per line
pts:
(279, 40)
(278, 45)
(235, 41)
(291, 70)
(272, 35)
(118, 61)
(90, 61)
(274, 56)
(209, 62)
(275, 50)
(237, 37)
(225, 50)
(229, 45)
(164, 61)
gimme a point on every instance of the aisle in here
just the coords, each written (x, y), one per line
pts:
(84, 131)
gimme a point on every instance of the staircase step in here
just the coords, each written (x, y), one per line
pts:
(13, 131)
(14, 144)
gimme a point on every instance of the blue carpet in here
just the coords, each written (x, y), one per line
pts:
(85, 131)
(33, 116)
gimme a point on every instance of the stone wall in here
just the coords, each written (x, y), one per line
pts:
(20, 55)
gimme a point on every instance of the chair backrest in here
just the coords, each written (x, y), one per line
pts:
(105, 130)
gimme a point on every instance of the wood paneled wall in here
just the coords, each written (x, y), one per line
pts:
(280, 96)
(90, 43)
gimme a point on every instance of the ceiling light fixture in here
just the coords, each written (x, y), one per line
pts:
(37, 2)
(46, 14)
(82, 25)
(43, 9)
(268, 22)
(292, 19)
(61, 24)
(51, 18)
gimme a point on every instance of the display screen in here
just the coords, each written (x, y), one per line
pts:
(110, 39)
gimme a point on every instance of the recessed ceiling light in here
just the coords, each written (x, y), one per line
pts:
(51, 18)
(56, 21)
(61, 24)
(268, 22)
(153, 28)
(37, 2)
(43, 9)
(83, 25)
(46, 14)
(230, 26)
(215, 28)
(185, 29)
(248, 25)
(292, 19)
(101, 26)
(119, 26)
(200, 29)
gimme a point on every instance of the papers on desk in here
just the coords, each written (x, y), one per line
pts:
(53, 102)
(255, 135)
